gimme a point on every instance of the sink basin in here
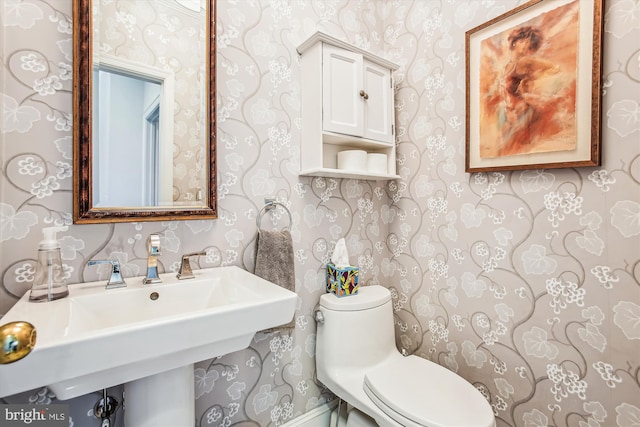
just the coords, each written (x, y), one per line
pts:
(97, 338)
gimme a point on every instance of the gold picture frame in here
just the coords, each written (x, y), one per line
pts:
(533, 79)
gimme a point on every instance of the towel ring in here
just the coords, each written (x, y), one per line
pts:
(269, 205)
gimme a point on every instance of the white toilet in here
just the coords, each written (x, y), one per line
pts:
(358, 361)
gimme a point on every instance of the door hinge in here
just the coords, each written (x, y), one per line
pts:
(393, 130)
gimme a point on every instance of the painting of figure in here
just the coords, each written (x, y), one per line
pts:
(527, 84)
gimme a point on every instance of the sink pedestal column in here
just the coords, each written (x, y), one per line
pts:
(161, 400)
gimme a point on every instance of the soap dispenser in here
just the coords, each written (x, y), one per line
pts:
(49, 283)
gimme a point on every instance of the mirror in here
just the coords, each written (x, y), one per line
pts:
(143, 110)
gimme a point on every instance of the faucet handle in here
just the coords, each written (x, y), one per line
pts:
(185, 271)
(115, 280)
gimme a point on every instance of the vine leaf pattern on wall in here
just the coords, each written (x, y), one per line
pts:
(524, 283)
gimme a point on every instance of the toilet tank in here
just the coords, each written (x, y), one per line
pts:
(357, 330)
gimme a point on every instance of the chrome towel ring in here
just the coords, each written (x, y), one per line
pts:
(269, 205)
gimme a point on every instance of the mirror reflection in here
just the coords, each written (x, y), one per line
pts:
(149, 96)
(127, 136)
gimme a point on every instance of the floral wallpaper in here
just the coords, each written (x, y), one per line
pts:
(525, 283)
(172, 38)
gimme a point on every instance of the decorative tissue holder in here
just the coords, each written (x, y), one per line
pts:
(342, 282)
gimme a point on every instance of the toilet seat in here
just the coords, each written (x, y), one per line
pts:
(416, 392)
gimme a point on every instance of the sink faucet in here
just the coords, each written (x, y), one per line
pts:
(153, 249)
(185, 271)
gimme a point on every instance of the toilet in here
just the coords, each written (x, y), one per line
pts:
(358, 361)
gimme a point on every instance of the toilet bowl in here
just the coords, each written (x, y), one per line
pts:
(357, 359)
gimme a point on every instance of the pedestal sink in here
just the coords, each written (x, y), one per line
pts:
(144, 336)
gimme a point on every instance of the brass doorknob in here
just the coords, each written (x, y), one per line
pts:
(17, 340)
(364, 94)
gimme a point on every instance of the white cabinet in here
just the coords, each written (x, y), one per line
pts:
(347, 103)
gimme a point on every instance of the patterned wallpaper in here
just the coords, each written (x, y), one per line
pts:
(525, 283)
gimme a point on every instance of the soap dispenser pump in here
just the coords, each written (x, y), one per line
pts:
(49, 283)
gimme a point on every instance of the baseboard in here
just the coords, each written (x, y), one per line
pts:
(317, 417)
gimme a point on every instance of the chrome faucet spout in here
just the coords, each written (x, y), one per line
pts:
(153, 250)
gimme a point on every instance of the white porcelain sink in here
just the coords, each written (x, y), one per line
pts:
(97, 338)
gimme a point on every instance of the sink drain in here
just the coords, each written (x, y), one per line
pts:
(154, 296)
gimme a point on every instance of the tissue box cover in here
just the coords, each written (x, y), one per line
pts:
(342, 282)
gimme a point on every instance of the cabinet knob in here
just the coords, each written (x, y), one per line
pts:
(364, 94)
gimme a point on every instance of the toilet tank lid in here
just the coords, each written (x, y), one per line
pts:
(367, 297)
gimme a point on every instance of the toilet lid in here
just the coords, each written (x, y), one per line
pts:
(367, 297)
(427, 394)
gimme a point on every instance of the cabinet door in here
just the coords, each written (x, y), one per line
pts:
(342, 106)
(378, 106)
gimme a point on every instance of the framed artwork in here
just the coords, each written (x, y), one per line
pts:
(533, 87)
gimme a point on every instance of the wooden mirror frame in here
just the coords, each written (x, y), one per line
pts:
(83, 210)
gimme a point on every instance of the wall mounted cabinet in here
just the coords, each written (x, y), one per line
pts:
(347, 103)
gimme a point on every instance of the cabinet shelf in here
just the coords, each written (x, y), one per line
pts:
(347, 104)
(341, 173)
